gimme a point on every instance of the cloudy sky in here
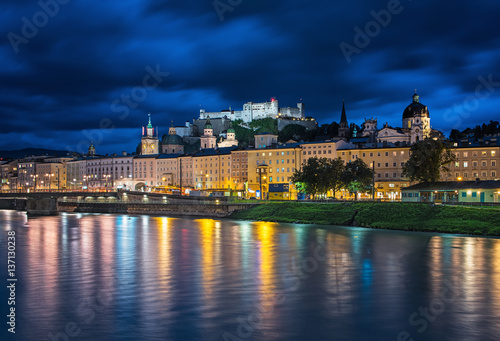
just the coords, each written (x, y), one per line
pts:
(72, 71)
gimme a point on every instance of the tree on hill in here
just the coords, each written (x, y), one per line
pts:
(331, 130)
(492, 128)
(246, 136)
(428, 159)
(292, 132)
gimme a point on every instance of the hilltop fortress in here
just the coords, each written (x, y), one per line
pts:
(255, 111)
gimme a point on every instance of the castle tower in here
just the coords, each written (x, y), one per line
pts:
(344, 127)
(149, 142)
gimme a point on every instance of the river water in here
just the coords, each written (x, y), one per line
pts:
(122, 277)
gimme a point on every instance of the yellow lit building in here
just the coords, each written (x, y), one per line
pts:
(276, 165)
(388, 165)
(475, 162)
(212, 169)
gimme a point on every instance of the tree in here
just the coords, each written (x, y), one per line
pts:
(307, 177)
(455, 135)
(334, 175)
(357, 177)
(319, 175)
(292, 132)
(428, 159)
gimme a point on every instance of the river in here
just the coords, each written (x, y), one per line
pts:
(121, 277)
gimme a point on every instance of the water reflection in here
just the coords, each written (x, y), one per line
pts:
(121, 277)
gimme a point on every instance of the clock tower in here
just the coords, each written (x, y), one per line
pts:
(149, 142)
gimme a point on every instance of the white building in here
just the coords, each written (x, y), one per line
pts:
(254, 111)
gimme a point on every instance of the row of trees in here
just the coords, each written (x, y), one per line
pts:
(429, 159)
(320, 175)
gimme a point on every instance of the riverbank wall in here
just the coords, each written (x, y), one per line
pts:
(213, 210)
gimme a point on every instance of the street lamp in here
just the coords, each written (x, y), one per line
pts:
(106, 177)
(261, 170)
(34, 179)
(50, 183)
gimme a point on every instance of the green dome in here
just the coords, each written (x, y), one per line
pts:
(231, 129)
(172, 140)
(208, 125)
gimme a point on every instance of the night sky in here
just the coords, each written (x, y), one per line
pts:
(69, 75)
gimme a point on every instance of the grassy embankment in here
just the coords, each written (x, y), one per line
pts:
(395, 216)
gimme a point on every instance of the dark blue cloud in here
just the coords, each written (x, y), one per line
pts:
(62, 83)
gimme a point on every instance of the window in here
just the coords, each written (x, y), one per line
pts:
(402, 152)
(493, 163)
(394, 153)
(371, 154)
(493, 174)
(386, 153)
(466, 163)
(394, 164)
(493, 153)
(464, 194)
(483, 153)
(387, 164)
(474, 194)
(457, 164)
(466, 154)
(484, 163)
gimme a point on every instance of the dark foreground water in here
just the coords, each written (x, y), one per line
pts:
(119, 277)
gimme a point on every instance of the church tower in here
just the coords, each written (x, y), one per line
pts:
(91, 151)
(344, 127)
(417, 120)
(208, 140)
(230, 141)
(149, 142)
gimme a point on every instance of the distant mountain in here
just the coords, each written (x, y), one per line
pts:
(18, 154)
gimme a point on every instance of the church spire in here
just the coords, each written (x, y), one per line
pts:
(343, 117)
(149, 123)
